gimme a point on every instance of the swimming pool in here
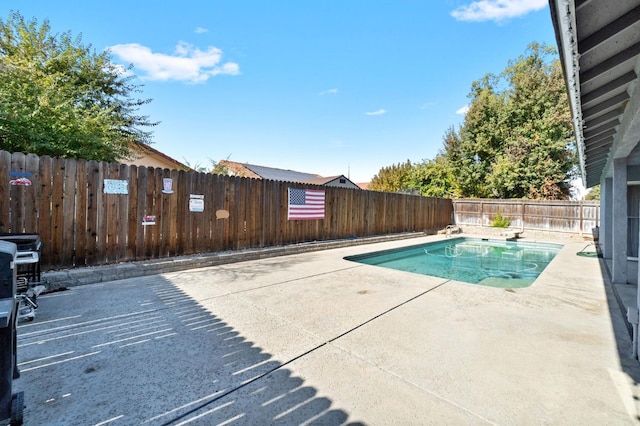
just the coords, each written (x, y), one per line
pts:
(495, 263)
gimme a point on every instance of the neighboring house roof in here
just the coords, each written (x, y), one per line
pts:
(271, 173)
(364, 185)
(238, 169)
(279, 174)
(262, 172)
(146, 156)
(340, 181)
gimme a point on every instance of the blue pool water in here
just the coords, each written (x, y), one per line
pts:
(496, 263)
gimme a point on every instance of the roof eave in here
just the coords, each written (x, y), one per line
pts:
(563, 18)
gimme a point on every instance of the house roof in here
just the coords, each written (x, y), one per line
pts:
(280, 174)
(598, 42)
(238, 169)
(144, 149)
(262, 172)
(323, 180)
(340, 181)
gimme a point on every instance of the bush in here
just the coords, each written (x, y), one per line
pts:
(500, 222)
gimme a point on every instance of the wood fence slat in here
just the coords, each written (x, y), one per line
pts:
(231, 206)
(165, 216)
(31, 197)
(123, 172)
(57, 211)
(80, 222)
(141, 210)
(112, 215)
(241, 231)
(18, 193)
(200, 217)
(173, 216)
(157, 208)
(256, 201)
(5, 177)
(44, 182)
(279, 210)
(188, 216)
(94, 212)
(103, 212)
(210, 211)
(182, 208)
(268, 226)
(150, 230)
(195, 215)
(217, 203)
(134, 219)
(238, 217)
(68, 212)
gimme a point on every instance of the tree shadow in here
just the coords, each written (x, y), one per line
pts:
(141, 351)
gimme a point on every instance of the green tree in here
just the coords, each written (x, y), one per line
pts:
(59, 97)
(434, 178)
(514, 142)
(594, 194)
(394, 178)
(214, 167)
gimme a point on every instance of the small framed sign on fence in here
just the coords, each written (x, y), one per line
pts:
(116, 186)
(196, 203)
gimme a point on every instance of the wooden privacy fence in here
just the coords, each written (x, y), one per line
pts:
(540, 215)
(79, 224)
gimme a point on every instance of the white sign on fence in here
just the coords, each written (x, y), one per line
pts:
(196, 203)
(115, 186)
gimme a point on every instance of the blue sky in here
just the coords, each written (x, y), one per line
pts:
(328, 87)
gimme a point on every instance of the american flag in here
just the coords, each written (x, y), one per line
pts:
(305, 204)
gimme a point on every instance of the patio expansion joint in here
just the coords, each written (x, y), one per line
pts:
(333, 343)
(310, 351)
(231, 293)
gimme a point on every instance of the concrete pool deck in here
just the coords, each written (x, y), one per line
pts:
(313, 338)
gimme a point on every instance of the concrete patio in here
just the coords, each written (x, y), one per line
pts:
(311, 338)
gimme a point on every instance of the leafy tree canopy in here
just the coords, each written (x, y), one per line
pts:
(395, 178)
(59, 97)
(515, 140)
(594, 194)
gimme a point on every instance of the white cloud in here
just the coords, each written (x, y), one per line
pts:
(497, 10)
(378, 112)
(120, 69)
(188, 63)
(201, 30)
(329, 92)
(463, 110)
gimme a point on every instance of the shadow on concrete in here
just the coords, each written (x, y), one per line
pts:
(141, 351)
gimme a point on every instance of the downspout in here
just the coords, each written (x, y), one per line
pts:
(632, 317)
(635, 314)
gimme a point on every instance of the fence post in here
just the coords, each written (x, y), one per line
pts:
(581, 216)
